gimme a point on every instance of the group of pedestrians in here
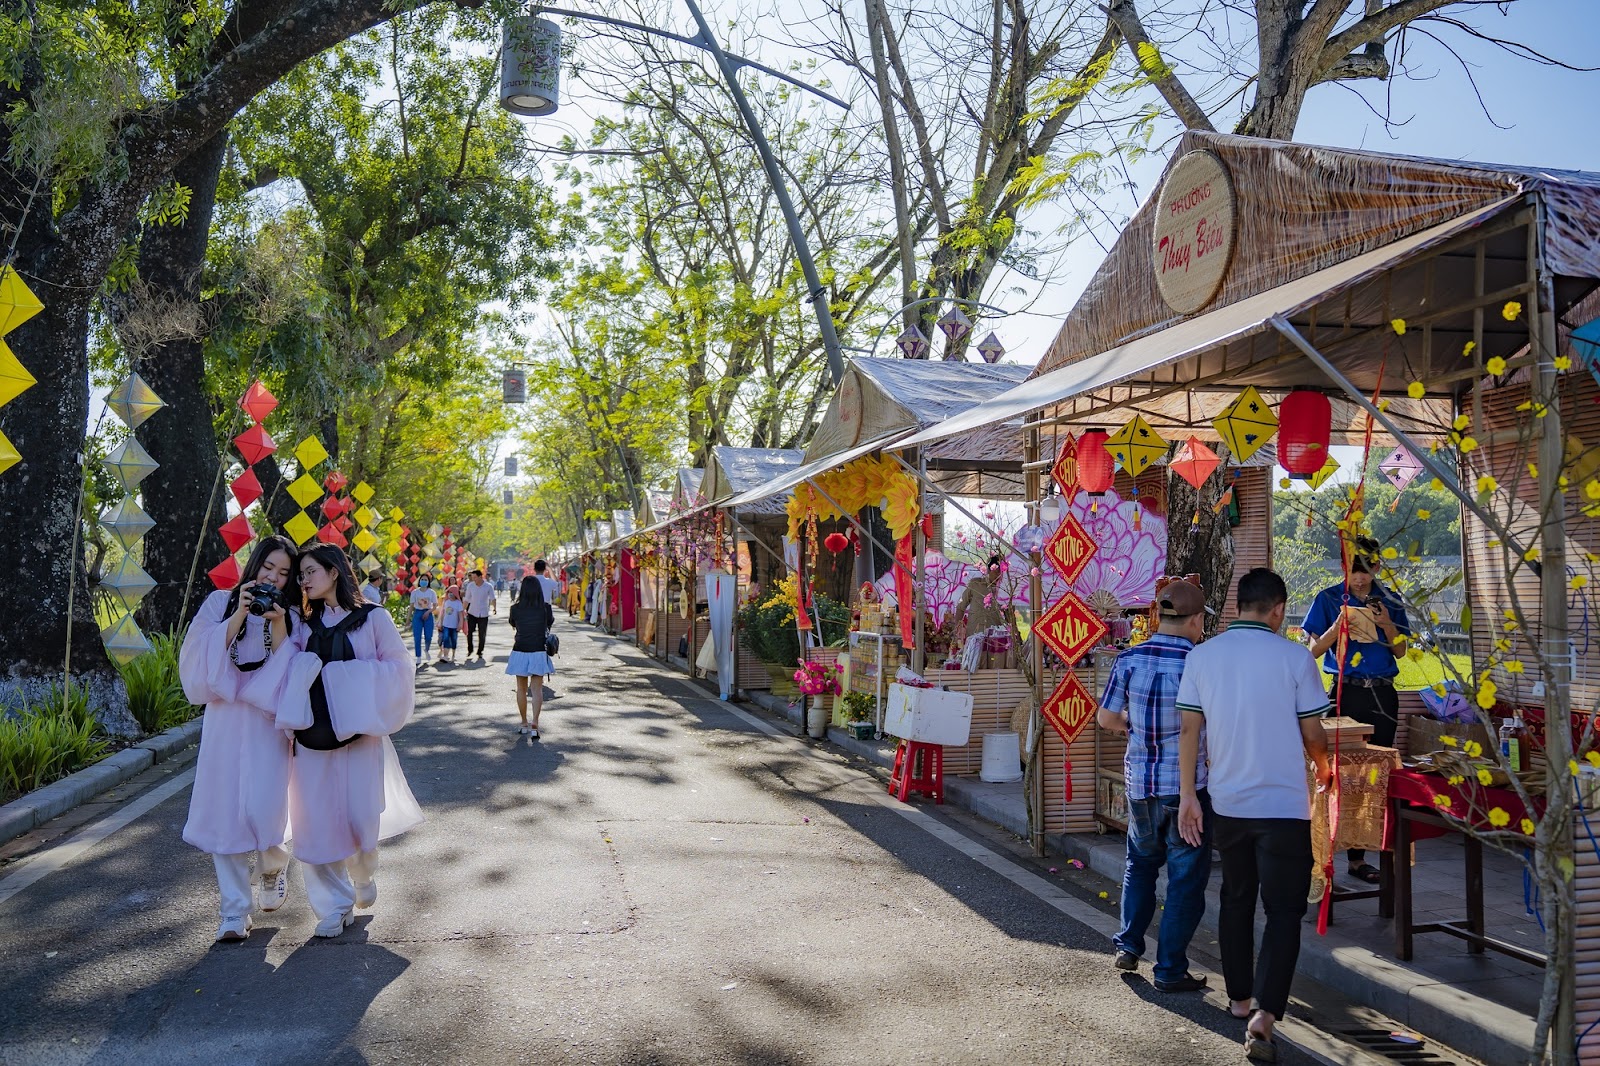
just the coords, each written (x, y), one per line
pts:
(303, 683)
(463, 606)
(1219, 738)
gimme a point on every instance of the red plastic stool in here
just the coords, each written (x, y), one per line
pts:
(918, 767)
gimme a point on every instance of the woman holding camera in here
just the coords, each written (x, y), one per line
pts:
(349, 687)
(233, 662)
(1360, 631)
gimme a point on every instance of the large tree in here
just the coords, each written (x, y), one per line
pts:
(99, 108)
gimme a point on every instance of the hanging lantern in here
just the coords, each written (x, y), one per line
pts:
(254, 445)
(304, 490)
(127, 523)
(258, 402)
(128, 583)
(530, 67)
(1097, 469)
(225, 574)
(913, 343)
(14, 377)
(836, 542)
(335, 482)
(236, 532)
(955, 324)
(362, 492)
(124, 641)
(134, 401)
(1246, 424)
(1135, 446)
(310, 452)
(329, 534)
(1305, 420)
(17, 301)
(130, 464)
(1194, 462)
(246, 488)
(991, 349)
(300, 527)
(1401, 468)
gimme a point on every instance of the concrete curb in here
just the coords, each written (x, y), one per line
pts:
(29, 812)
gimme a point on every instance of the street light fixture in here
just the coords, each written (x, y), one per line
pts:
(530, 85)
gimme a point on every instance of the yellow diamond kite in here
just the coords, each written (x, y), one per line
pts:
(397, 514)
(362, 492)
(365, 516)
(1246, 424)
(9, 456)
(14, 377)
(17, 302)
(300, 527)
(125, 641)
(1135, 446)
(1327, 471)
(363, 540)
(305, 490)
(310, 452)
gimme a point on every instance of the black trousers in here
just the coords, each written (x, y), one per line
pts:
(1270, 858)
(1378, 707)
(479, 626)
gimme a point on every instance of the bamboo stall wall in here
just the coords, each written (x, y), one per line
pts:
(995, 695)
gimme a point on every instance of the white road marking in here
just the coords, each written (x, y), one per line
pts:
(63, 852)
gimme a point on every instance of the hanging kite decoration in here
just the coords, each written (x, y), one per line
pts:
(1135, 446)
(254, 445)
(1246, 424)
(1195, 462)
(133, 401)
(1401, 468)
(17, 305)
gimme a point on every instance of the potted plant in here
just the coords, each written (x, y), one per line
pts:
(858, 713)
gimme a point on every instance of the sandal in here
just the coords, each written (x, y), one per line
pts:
(1258, 1048)
(1366, 872)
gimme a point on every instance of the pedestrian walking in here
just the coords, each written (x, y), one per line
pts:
(478, 595)
(233, 661)
(529, 661)
(424, 603)
(1360, 630)
(348, 689)
(372, 592)
(1141, 700)
(1258, 699)
(451, 612)
(552, 589)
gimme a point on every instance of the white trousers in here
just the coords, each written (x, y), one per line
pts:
(331, 886)
(235, 881)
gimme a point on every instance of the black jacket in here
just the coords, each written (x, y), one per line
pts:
(531, 621)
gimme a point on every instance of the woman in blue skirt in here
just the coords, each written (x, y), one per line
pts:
(530, 663)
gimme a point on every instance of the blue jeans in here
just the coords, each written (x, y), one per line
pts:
(1153, 842)
(447, 638)
(422, 632)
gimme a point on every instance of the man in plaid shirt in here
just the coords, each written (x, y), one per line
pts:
(1141, 700)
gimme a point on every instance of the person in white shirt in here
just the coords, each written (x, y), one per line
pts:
(371, 592)
(1258, 697)
(424, 601)
(451, 612)
(552, 590)
(480, 601)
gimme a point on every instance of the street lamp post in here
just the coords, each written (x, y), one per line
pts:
(544, 102)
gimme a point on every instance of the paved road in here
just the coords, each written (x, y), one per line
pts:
(660, 880)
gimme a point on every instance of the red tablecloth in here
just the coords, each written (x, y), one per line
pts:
(1468, 801)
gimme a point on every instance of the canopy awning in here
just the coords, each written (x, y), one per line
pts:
(663, 524)
(1195, 336)
(795, 475)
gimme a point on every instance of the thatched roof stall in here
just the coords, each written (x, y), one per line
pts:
(1447, 288)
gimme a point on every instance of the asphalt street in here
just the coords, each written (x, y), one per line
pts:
(661, 878)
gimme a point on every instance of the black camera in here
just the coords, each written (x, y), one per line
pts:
(264, 597)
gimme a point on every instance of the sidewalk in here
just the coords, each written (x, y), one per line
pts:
(1482, 1006)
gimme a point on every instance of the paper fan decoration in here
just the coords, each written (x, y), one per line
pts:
(258, 402)
(1246, 424)
(134, 401)
(254, 445)
(14, 377)
(130, 464)
(1135, 446)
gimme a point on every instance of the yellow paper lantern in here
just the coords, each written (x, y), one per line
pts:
(362, 492)
(17, 301)
(363, 540)
(305, 490)
(365, 516)
(14, 377)
(1135, 446)
(9, 456)
(310, 452)
(397, 514)
(300, 527)
(1246, 424)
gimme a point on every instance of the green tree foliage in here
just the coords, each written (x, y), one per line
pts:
(1419, 521)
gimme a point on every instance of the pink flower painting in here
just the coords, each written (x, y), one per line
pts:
(1128, 561)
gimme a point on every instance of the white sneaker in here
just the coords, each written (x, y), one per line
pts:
(234, 929)
(523, 730)
(273, 890)
(367, 895)
(334, 925)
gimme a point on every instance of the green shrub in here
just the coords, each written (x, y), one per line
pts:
(40, 743)
(155, 695)
(768, 630)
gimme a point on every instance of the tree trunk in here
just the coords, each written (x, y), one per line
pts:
(185, 496)
(38, 510)
(1203, 547)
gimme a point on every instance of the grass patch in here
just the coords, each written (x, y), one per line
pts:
(155, 695)
(43, 741)
(1416, 675)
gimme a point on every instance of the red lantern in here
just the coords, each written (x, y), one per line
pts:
(225, 574)
(246, 488)
(1096, 467)
(257, 402)
(255, 444)
(1305, 420)
(236, 533)
(836, 542)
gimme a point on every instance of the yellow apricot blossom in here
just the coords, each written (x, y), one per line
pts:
(1423, 514)
(1416, 390)
(1511, 311)
(1398, 325)
(1487, 484)
(1472, 748)
(1496, 366)
(1563, 362)
(1485, 778)
(1499, 818)
(1466, 353)
(1578, 581)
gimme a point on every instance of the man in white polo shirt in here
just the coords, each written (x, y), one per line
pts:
(479, 597)
(1259, 698)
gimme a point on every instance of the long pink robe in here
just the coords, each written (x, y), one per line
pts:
(240, 799)
(346, 800)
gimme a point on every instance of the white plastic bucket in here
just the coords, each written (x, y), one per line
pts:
(1002, 758)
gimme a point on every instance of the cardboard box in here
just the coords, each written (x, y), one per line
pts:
(928, 715)
(1425, 735)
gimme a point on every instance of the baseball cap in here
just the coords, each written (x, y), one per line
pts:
(1180, 599)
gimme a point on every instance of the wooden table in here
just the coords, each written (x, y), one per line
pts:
(1413, 815)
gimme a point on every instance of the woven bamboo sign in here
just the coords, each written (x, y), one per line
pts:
(1194, 232)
